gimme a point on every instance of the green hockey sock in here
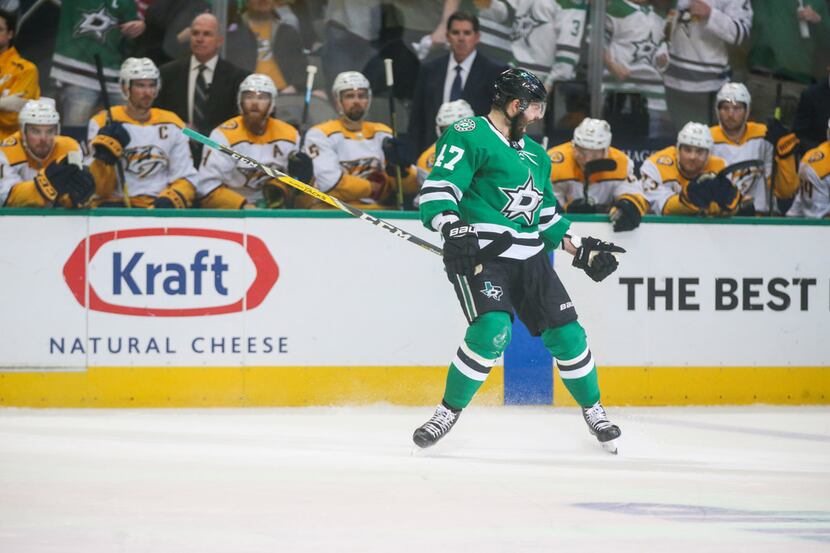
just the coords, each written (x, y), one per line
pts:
(483, 344)
(568, 346)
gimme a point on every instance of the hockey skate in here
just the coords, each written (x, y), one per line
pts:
(436, 427)
(599, 425)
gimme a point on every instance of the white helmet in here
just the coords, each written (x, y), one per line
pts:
(38, 112)
(592, 134)
(257, 82)
(134, 69)
(349, 80)
(450, 112)
(733, 92)
(695, 134)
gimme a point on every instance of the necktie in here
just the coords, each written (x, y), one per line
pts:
(200, 98)
(455, 89)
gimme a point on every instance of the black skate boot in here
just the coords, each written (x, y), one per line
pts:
(436, 427)
(599, 425)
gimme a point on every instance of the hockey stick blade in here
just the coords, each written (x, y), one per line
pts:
(740, 166)
(599, 166)
(311, 191)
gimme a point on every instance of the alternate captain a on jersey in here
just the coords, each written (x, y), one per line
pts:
(354, 158)
(617, 191)
(813, 198)
(40, 168)
(738, 139)
(228, 183)
(147, 142)
(448, 113)
(684, 180)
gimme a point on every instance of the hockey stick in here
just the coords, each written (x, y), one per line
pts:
(311, 70)
(390, 84)
(119, 170)
(777, 116)
(591, 168)
(490, 251)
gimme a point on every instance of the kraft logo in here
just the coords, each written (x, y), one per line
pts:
(170, 272)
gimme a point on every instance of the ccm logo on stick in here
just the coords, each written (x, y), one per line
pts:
(170, 272)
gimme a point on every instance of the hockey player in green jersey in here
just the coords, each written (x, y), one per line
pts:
(489, 178)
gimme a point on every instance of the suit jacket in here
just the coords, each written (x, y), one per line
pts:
(221, 97)
(810, 124)
(429, 94)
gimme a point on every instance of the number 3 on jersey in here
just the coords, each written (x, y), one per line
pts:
(455, 151)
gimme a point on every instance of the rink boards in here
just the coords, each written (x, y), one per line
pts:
(112, 308)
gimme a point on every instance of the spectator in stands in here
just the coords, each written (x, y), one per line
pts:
(635, 55)
(353, 158)
(19, 81)
(168, 29)
(700, 32)
(146, 142)
(614, 190)
(262, 43)
(448, 113)
(201, 88)
(351, 27)
(684, 179)
(813, 198)
(813, 109)
(227, 183)
(736, 139)
(463, 73)
(781, 54)
(545, 37)
(39, 168)
(87, 28)
(496, 18)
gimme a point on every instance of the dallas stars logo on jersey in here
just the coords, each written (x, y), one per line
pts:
(644, 50)
(96, 23)
(524, 25)
(522, 202)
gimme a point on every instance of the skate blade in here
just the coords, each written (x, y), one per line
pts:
(610, 446)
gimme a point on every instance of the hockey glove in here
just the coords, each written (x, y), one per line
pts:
(698, 192)
(595, 257)
(625, 215)
(301, 167)
(396, 152)
(460, 248)
(725, 194)
(163, 202)
(581, 205)
(71, 180)
(381, 188)
(109, 143)
(275, 195)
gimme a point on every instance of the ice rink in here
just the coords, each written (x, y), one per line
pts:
(506, 479)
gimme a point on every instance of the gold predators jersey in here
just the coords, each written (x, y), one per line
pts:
(813, 197)
(663, 182)
(17, 75)
(18, 171)
(752, 182)
(604, 188)
(345, 160)
(157, 156)
(272, 148)
(422, 169)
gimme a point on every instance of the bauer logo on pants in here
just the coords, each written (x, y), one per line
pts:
(170, 272)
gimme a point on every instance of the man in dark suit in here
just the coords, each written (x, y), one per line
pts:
(810, 124)
(201, 89)
(463, 73)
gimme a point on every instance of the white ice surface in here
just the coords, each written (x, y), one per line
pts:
(506, 479)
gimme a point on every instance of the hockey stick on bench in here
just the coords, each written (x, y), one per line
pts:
(487, 253)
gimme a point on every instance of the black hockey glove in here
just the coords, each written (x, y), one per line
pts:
(724, 193)
(396, 152)
(301, 167)
(699, 192)
(596, 258)
(625, 215)
(581, 205)
(70, 179)
(163, 202)
(460, 248)
(775, 131)
(109, 143)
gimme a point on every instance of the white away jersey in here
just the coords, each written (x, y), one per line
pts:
(753, 181)
(813, 197)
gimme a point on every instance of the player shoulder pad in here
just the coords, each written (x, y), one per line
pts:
(64, 145)
(819, 159)
(328, 128)
(427, 158)
(160, 116)
(623, 164)
(280, 130)
(714, 164)
(755, 130)
(370, 128)
(718, 136)
(12, 148)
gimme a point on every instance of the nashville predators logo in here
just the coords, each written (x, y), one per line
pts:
(522, 202)
(431, 160)
(10, 141)
(665, 160)
(96, 23)
(816, 156)
(230, 125)
(254, 178)
(146, 161)
(361, 167)
(557, 157)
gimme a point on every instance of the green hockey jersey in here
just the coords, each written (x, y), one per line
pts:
(495, 187)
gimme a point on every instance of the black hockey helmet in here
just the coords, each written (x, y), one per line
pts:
(518, 84)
